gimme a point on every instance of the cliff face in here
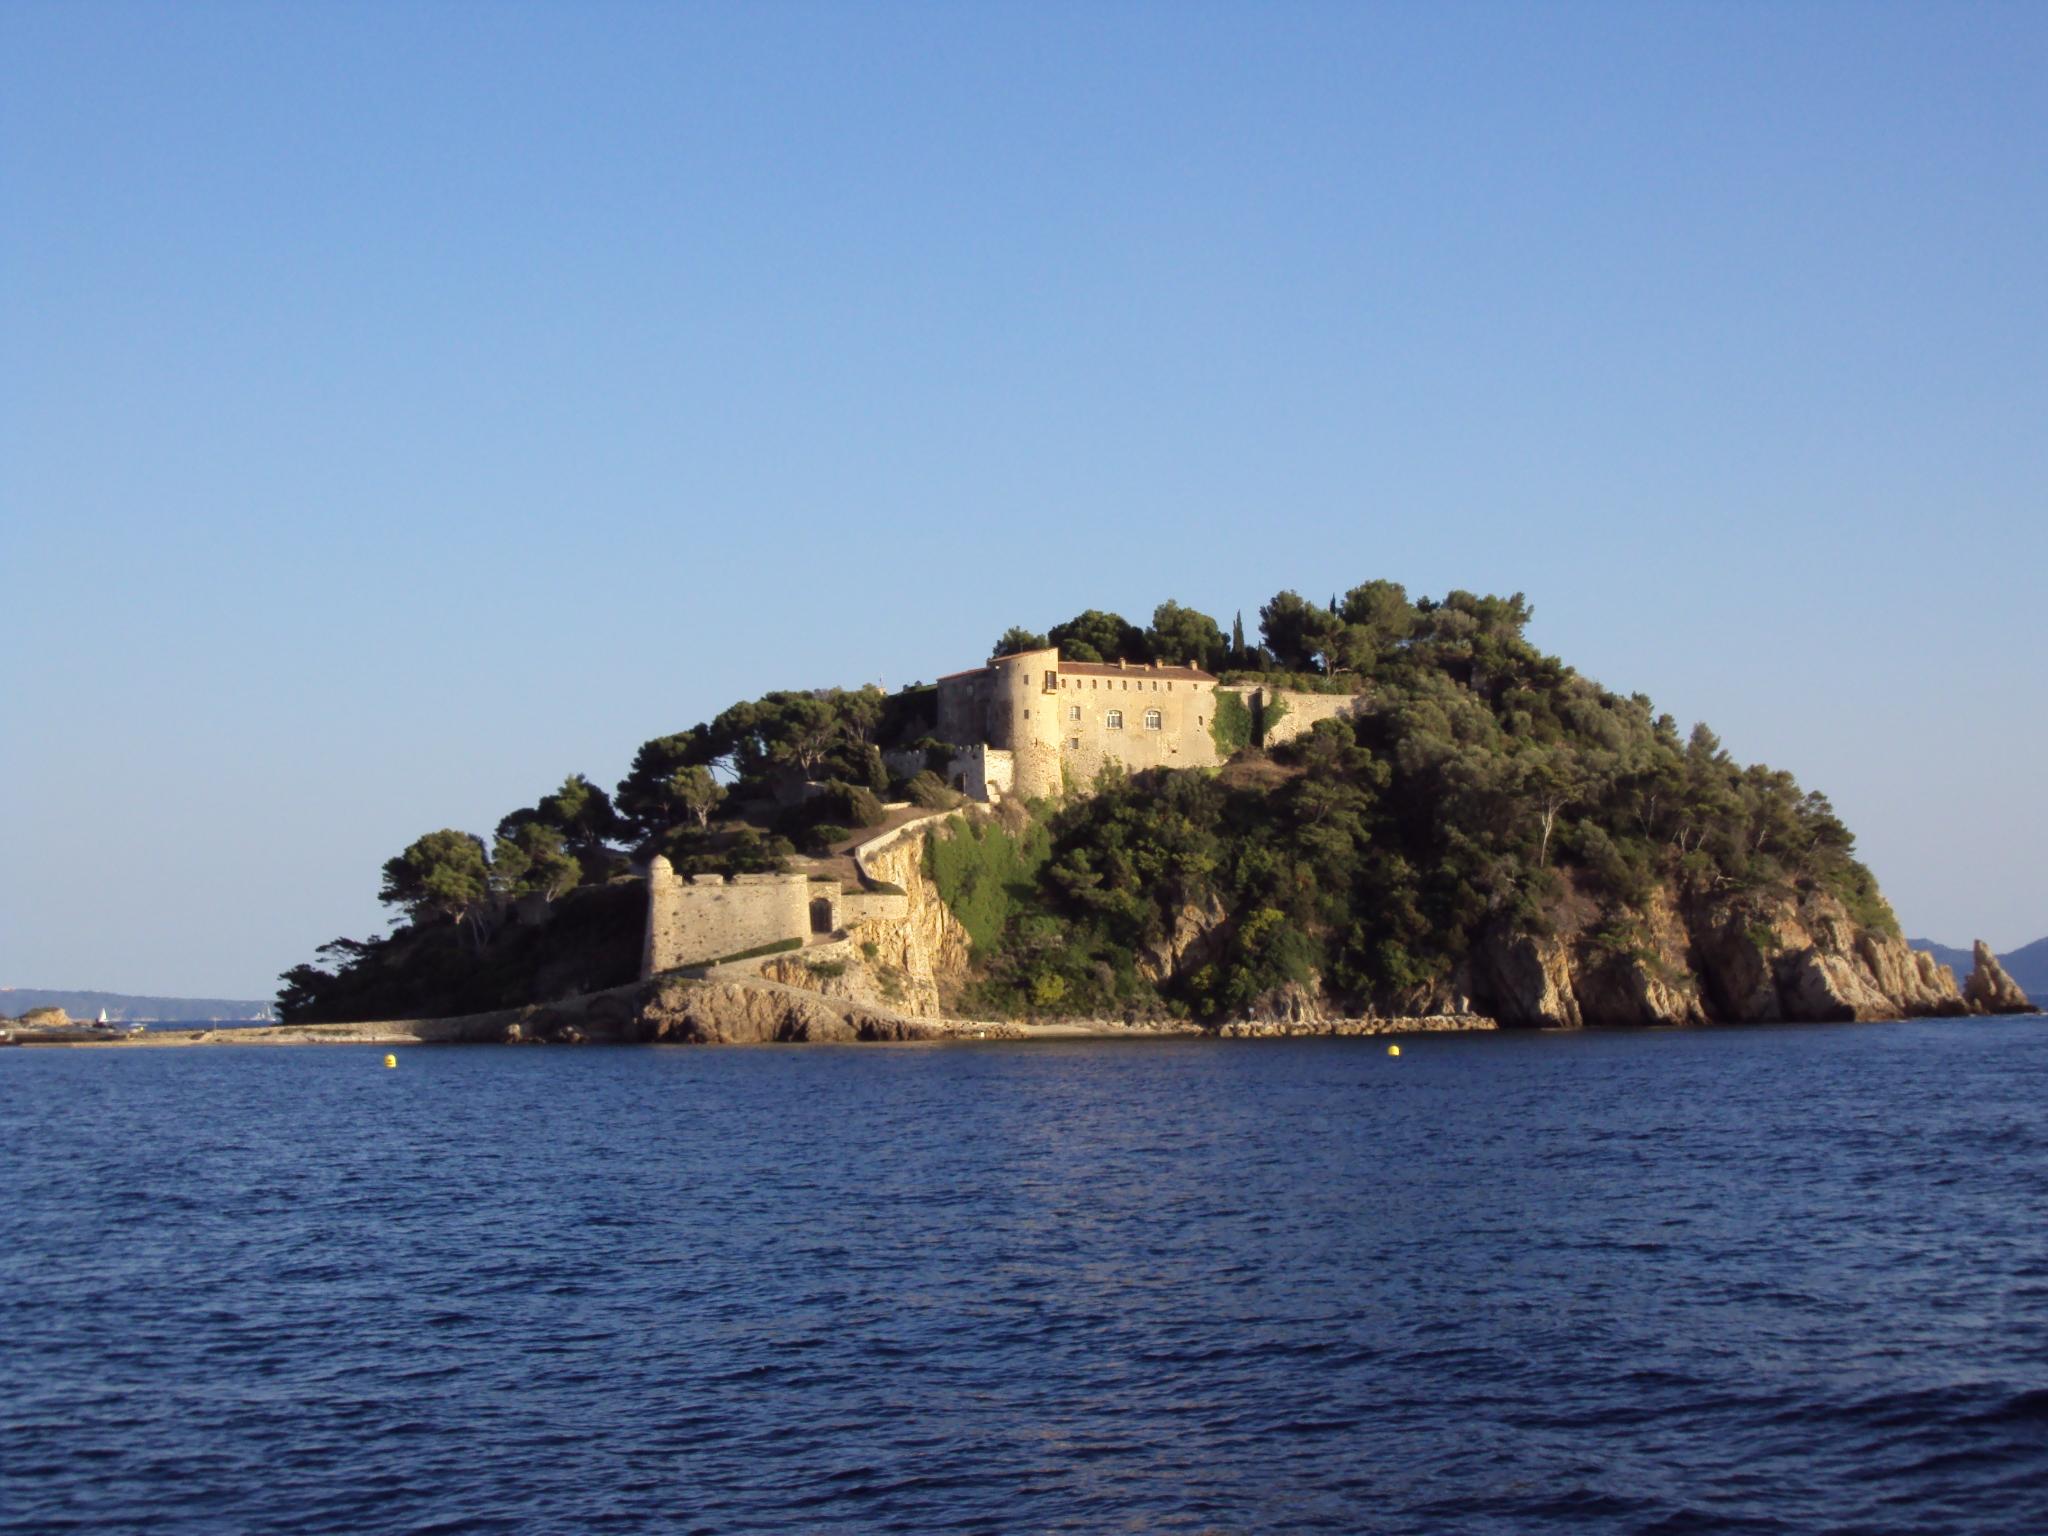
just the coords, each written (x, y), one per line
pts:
(914, 965)
(1684, 960)
(1711, 960)
(1701, 960)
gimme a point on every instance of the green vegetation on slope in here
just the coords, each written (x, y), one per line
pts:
(984, 870)
(1485, 785)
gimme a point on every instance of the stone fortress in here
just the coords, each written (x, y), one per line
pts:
(1042, 724)
(1033, 725)
(1027, 725)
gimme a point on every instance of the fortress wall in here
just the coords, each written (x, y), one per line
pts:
(1089, 742)
(1303, 711)
(983, 772)
(903, 763)
(857, 907)
(963, 713)
(706, 918)
(1061, 725)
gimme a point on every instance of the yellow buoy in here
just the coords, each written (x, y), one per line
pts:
(390, 1061)
(1392, 1050)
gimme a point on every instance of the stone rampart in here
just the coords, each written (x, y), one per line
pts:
(905, 762)
(707, 917)
(881, 842)
(856, 907)
(983, 773)
(1282, 714)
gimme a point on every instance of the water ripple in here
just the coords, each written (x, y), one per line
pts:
(1768, 1281)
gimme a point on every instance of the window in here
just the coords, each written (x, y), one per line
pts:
(1114, 720)
(1073, 711)
(1052, 681)
(1153, 721)
(1073, 743)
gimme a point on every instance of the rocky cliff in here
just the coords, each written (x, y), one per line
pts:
(915, 965)
(1709, 959)
(1684, 960)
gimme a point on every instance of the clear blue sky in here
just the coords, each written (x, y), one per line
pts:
(406, 405)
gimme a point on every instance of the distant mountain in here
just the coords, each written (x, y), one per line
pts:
(2027, 965)
(1959, 960)
(125, 1007)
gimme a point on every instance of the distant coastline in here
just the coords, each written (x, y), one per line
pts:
(134, 1007)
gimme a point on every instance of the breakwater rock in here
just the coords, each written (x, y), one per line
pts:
(1413, 1024)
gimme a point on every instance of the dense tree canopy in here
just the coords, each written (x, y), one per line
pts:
(445, 873)
(1301, 636)
(1097, 636)
(1180, 635)
(585, 819)
(532, 859)
(1017, 639)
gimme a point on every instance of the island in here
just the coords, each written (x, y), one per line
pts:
(1383, 814)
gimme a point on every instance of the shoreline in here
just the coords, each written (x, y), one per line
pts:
(490, 1028)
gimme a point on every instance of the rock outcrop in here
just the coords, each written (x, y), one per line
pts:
(753, 1013)
(1195, 940)
(1989, 989)
(1706, 959)
(922, 957)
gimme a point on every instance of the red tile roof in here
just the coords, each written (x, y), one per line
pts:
(1101, 669)
(1136, 669)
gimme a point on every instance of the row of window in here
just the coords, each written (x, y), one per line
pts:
(1113, 720)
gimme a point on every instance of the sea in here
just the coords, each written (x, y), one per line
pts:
(1744, 1279)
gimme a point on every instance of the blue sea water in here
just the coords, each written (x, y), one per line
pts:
(1756, 1280)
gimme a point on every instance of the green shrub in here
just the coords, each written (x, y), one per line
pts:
(1271, 712)
(983, 872)
(1230, 727)
(932, 792)
(826, 833)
